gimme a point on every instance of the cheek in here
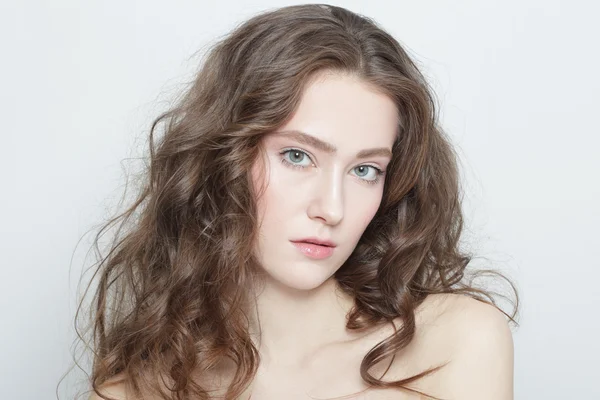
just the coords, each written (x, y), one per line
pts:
(260, 188)
(369, 215)
(271, 205)
(369, 209)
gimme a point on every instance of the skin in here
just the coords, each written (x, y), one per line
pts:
(334, 196)
(304, 347)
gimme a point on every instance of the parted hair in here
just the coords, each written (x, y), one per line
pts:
(169, 301)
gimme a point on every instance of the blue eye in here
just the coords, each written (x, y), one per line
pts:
(378, 174)
(296, 156)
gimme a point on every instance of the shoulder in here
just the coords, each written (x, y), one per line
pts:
(114, 389)
(476, 327)
(484, 352)
(117, 392)
(475, 341)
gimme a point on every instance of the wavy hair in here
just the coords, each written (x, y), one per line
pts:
(171, 292)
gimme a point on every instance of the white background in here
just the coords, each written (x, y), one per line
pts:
(518, 85)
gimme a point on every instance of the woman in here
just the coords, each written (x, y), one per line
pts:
(297, 236)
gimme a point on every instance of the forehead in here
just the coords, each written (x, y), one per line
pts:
(346, 111)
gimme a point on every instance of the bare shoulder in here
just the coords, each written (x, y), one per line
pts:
(482, 366)
(474, 325)
(114, 389)
(119, 387)
(114, 392)
(475, 341)
(458, 311)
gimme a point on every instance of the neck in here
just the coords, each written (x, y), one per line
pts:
(289, 325)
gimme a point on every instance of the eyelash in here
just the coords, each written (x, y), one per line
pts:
(380, 172)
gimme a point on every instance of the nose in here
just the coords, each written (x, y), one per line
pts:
(328, 201)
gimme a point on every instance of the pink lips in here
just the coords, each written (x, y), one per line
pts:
(314, 250)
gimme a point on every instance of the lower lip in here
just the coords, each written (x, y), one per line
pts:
(314, 250)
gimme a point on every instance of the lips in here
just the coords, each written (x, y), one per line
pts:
(317, 241)
(314, 251)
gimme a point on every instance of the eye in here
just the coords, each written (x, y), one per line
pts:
(296, 156)
(377, 172)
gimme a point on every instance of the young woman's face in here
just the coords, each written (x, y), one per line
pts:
(318, 185)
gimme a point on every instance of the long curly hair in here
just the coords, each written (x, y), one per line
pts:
(171, 291)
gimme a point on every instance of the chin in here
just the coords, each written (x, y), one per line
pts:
(302, 277)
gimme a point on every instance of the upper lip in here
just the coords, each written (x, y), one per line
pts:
(322, 242)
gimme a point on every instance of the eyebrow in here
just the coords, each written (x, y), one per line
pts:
(327, 147)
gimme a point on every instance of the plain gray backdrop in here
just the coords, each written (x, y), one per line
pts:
(517, 82)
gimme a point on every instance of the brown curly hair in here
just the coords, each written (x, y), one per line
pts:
(170, 297)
